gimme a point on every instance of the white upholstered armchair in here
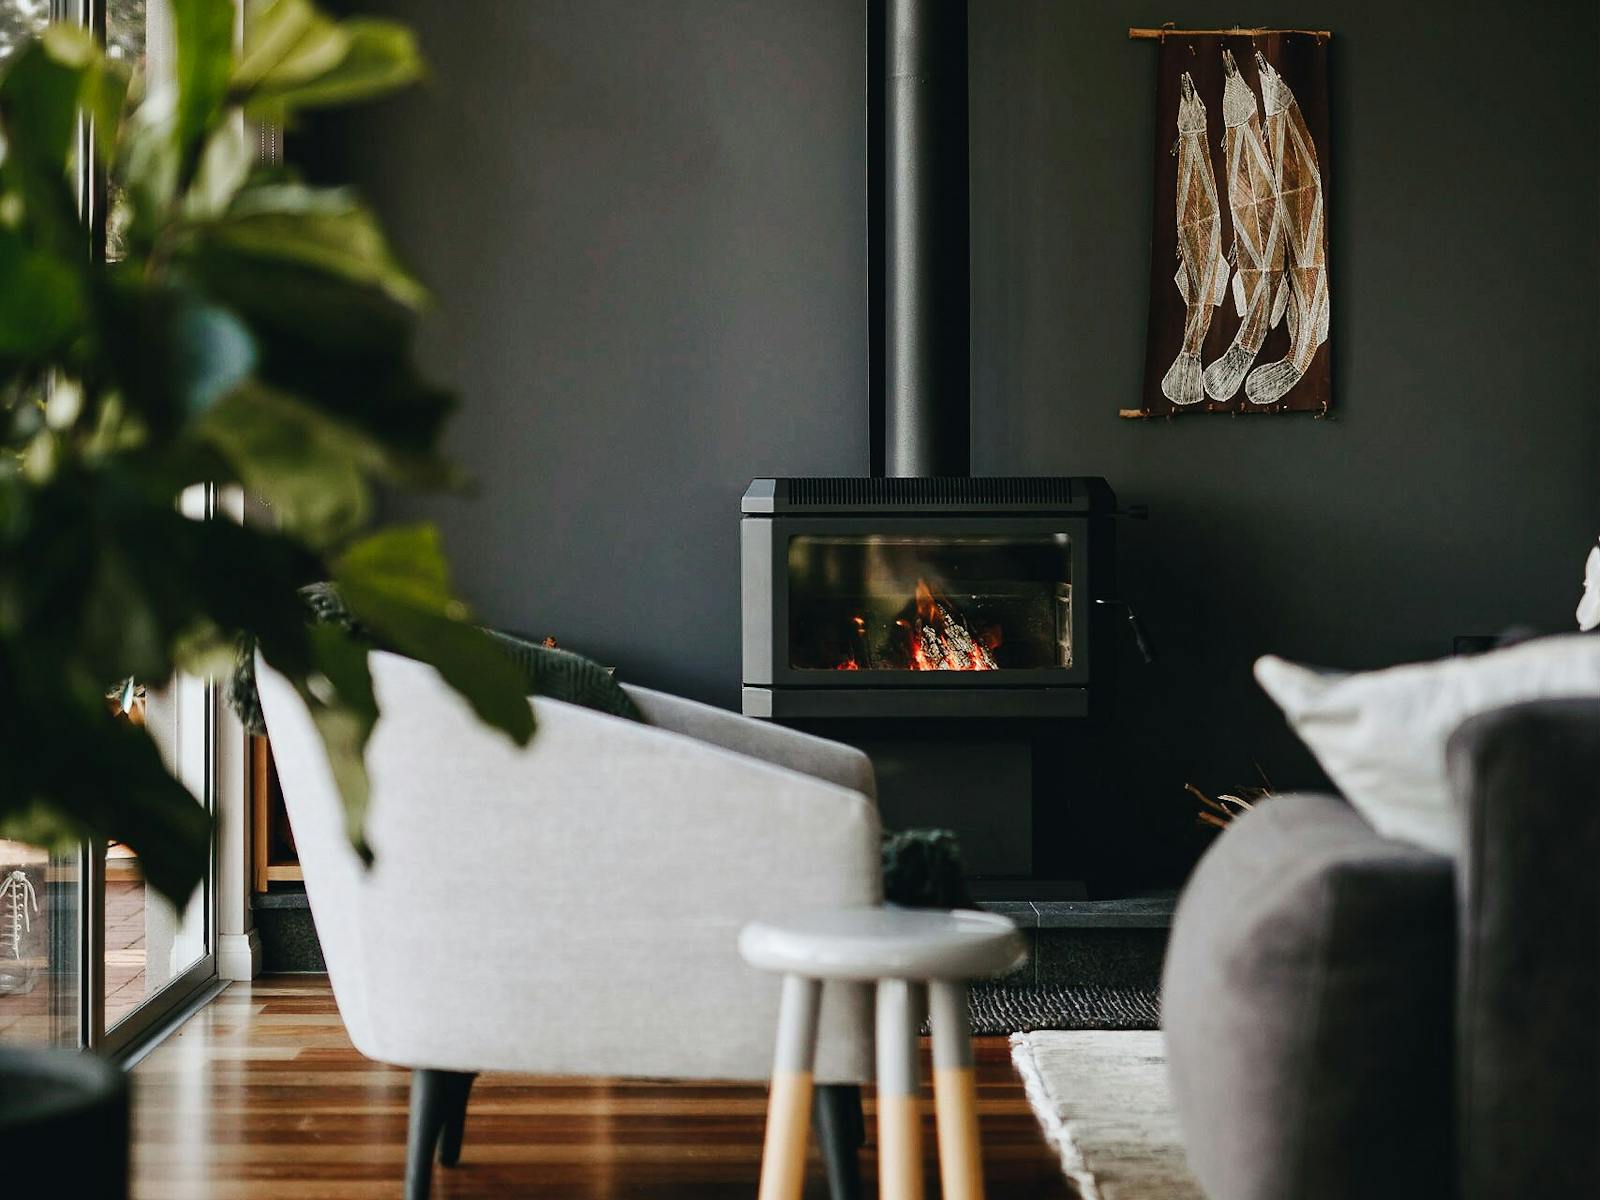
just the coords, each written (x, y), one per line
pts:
(573, 907)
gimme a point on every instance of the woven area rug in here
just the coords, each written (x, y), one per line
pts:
(997, 1008)
(1103, 1102)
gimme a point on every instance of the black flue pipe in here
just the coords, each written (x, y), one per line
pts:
(926, 411)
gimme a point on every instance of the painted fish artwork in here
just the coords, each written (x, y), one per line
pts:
(1202, 275)
(1239, 289)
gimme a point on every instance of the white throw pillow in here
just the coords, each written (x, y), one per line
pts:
(1381, 735)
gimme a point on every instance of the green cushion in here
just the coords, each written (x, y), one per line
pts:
(563, 675)
(558, 674)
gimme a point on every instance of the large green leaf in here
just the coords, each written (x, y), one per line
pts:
(288, 42)
(339, 346)
(225, 163)
(239, 577)
(313, 468)
(395, 582)
(405, 562)
(41, 300)
(204, 60)
(122, 626)
(309, 467)
(324, 229)
(46, 560)
(307, 310)
(379, 57)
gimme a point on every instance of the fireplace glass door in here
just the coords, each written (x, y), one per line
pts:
(915, 602)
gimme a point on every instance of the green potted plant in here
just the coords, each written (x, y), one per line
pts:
(252, 331)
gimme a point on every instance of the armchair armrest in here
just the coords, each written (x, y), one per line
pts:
(1305, 1000)
(814, 756)
(1527, 781)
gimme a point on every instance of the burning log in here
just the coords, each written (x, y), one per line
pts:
(936, 638)
(939, 641)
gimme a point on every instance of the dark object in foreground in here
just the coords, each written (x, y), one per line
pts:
(63, 1107)
(922, 868)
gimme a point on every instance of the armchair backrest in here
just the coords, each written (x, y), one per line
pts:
(1527, 781)
(567, 907)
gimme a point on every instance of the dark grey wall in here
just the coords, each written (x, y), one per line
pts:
(1458, 486)
(645, 225)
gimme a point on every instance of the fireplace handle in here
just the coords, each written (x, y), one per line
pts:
(1146, 651)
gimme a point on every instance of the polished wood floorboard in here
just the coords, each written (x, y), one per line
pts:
(261, 1095)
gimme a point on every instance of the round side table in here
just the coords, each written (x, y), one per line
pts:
(902, 951)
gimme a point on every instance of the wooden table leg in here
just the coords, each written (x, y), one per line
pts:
(783, 1157)
(955, 1093)
(899, 1123)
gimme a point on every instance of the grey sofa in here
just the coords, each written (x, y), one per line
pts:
(1349, 1016)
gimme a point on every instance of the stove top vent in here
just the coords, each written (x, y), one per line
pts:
(940, 494)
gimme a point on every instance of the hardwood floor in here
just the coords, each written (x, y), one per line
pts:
(262, 1095)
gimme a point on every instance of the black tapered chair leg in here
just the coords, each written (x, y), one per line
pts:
(438, 1103)
(455, 1120)
(841, 1132)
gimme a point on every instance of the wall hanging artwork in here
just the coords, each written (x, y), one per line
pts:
(1239, 294)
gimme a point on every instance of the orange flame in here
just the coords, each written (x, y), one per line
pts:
(937, 641)
(941, 643)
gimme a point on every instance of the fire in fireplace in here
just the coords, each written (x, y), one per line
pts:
(929, 635)
(929, 603)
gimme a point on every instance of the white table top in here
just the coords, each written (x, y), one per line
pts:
(885, 943)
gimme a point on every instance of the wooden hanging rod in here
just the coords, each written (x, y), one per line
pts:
(1170, 32)
(1139, 414)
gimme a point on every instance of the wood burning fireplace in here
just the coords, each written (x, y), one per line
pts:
(957, 597)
